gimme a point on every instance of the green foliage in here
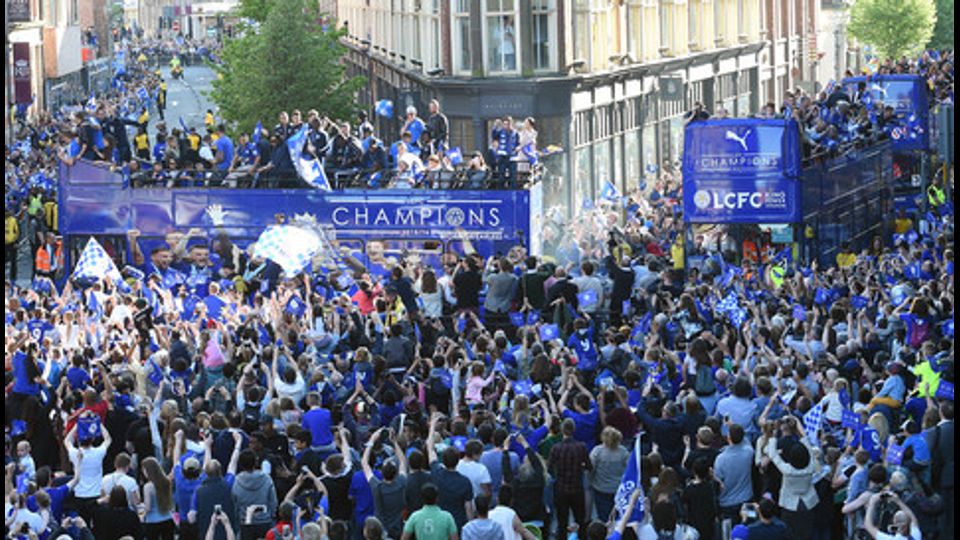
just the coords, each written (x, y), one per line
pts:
(894, 27)
(291, 63)
(943, 31)
(255, 9)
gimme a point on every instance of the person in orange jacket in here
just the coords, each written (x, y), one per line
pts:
(49, 258)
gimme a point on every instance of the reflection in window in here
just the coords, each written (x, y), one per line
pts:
(461, 36)
(501, 36)
(542, 23)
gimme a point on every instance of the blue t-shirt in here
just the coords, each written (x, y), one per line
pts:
(224, 145)
(921, 452)
(38, 328)
(362, 498)
(586, 350)
(248, 153)
(586, 431)
(22, 382)
(868, 439)
(318, 422)
(78, 378)
(184, 489)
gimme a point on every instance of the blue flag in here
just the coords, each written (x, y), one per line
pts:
(523, 387)
(821, 296)
(850, 419)
(309, 168)
(533, 317)
(530, 153)
(462, 325)
(384, 108)
(609, 191)
(143, 94)
(947, 328)
(257, 133)
(455, 155)
(156, 374)
(587, 298)
(859, 302)
(945, 390)
(183, 125)
(625, 308)
(895, 454)
(630, 482)
(88, 427)
(296, 306)
(549, 332)
(516, 318)
(799, 312)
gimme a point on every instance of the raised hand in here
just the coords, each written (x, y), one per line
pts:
(216, 214)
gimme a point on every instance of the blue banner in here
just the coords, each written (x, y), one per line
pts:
(741, 148)
(741, 201)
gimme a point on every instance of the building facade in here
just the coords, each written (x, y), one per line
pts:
(53, 37)
(607, 80)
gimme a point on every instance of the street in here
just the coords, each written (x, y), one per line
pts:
(186, 98)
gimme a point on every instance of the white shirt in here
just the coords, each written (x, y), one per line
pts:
(123, 480)
(293, 391)
(32, 519)
(504, 516)
(476, 472)
(914, 534)
(91, 470)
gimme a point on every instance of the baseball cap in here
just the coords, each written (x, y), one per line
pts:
(191, 464)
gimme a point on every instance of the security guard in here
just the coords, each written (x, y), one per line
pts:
(49, 258)
(162, 98)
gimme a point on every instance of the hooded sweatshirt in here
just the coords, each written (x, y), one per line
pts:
(252, 488)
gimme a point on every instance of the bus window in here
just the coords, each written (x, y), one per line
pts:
(414, 252)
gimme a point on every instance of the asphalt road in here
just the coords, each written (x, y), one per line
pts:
(186, 98)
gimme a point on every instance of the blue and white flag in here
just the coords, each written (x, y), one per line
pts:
(812, 422)
(290, 247)
(384, 108)
(309, 168)
(609, 191)
(89, 428)
(850, 420)
(91, 103)
(587, 298)
(630, 482)
(257, 131)
(516, 318)
(895, 454)
(296, 306)
(533, 317)
(143, 94)
(530, 152)
(455, 155)
(799, 312)
(95, 263)
(549, 332)
(859, 302)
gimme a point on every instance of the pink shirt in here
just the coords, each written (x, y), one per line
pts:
(475, 386)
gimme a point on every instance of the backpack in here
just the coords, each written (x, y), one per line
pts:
(703, 384)
(251, 417)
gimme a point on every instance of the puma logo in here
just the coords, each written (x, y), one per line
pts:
(741, 139)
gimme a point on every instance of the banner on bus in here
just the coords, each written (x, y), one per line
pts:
(741, 148)
(741, 201)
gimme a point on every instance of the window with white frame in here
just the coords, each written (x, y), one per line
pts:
(501, 36)
(544, 35)
(666, 23)
(430, 31)
(603, 33)
(581, 30)
(462, 61)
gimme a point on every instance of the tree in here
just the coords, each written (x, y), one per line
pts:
(255, 9)
(290, 63)
(893, 27)
(943, 31)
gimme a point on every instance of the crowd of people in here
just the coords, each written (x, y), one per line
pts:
(208, 394)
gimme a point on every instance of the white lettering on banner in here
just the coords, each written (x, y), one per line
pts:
(726, 163)
(738, 200)
(424, 216)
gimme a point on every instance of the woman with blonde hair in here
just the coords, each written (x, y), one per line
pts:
(609, 460)
(158, 502)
